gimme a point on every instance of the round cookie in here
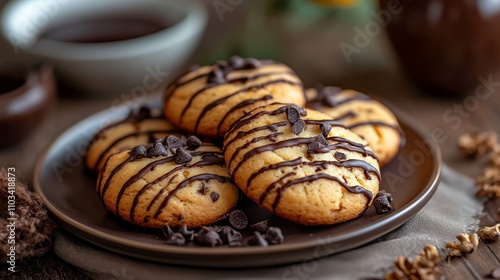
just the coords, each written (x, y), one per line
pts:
(363, 115)
(140, 127)
(207, 100)
(174, 181)
(301, 165)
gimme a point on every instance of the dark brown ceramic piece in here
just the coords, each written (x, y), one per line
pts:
(26, 95)
(69, 193)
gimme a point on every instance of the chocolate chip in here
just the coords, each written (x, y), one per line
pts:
(274, 235)
(325, 129)
(340, 156)
(192, 142)
(167, 231)
(292, 114)
(261, 226)
(236, 62)
(298, 126)
(321, 139)
(313, 146)
(203, 189)
(138, 152)
(229, 235)
(176, 239)
(158, 149)
(188, 234)
(214, 196)
(216, 76)
(208, 237)
(383, 202)
(252, 63)
(238, 219)
(257, 240)
(273, 128)
(182, 157)
(172, 141)
(143, 113)
(180, 217)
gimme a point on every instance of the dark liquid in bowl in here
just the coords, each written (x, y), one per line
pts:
(101, 30)
(9, 84)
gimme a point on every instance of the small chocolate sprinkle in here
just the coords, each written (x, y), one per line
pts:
(182, 157)
(325, 129)
(192, 142)
(167, 231)
(261, 226)
(383, 202)
(158, 149)
(138, 152)
(274, 235)
(229, 235)
(214, 196)
(298, 126)
(257, 240)
(188, 234)
(238, 219)
(208, 237)
(340, 156)
(176, 239)
(292, 114)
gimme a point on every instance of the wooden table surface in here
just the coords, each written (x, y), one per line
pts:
(387, 82)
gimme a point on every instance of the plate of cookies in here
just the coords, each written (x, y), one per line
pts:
(238, 165)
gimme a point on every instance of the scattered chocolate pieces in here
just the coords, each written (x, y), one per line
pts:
(158, 149)
(325, 129)
(477, 144)
(176, 239)
(188, 234)
(261, 226)
(182, 157)
(425, 265)
(193, 143)
(138, 152)
(383, 202)
(216, 76)
(298, 126)
(257, 240)
(340, 156)
(238, 219)
(167, 231)
(466, 244)
(214, 196)
(489, 233)
(208, 237)
(172, 141)
(322, 140)
(292, 114)
(230, 236)
(274, 235)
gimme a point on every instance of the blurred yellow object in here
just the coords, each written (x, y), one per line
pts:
(336, 2)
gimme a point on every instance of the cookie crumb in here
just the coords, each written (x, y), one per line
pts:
(489, 233)
(466, 244)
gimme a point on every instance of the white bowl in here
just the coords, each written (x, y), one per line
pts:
(129, 67)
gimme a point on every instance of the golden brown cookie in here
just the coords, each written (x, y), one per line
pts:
(301, 165)
(363, 115)
(207, 100)
(174, 181)
(140, 127)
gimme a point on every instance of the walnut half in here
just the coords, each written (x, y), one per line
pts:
(466, 244)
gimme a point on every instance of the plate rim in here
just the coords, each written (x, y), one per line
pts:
(111, 242)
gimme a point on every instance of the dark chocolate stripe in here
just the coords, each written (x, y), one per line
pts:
(349, 114)
(254, 140)
(381, 123)
(274, 185)
(112, 174)
(253, 130)
(355, 189)
(245, 89)
(157, 196)
(353, 146)
(240, 105)
(294, 162)
(181, 185)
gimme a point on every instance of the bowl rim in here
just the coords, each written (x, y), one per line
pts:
(191, 23)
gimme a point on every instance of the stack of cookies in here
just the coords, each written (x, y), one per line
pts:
(309, 156)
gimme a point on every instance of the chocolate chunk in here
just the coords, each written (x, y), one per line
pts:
(236, 62)
(203, 189)
(158, 149)
(172, 141)
(313, 146)
(180, 217)
(383, 202)
(273, 128)
(274, 235)
(167, 231)
(208, 237)
(321, 139)
(340, 156)
(176, 239)
(229, 235)
(182, 157)
(257, 240)
(261, 226)
(238, 219)
(192, 142)
(188, 234)
(216, 77)
(298, 126)
(214, 196)
(325, 129)
(138, 152)
(292, 114)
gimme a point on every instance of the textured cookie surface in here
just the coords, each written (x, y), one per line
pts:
(301, 165)
(140, 127)
(363, 115)
(207, 100)
(175, 182)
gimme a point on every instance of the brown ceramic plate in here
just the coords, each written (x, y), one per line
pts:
(68, 192)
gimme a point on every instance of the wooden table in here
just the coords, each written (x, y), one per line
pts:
(387, 82)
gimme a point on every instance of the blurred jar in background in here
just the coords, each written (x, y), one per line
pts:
(447, 44)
